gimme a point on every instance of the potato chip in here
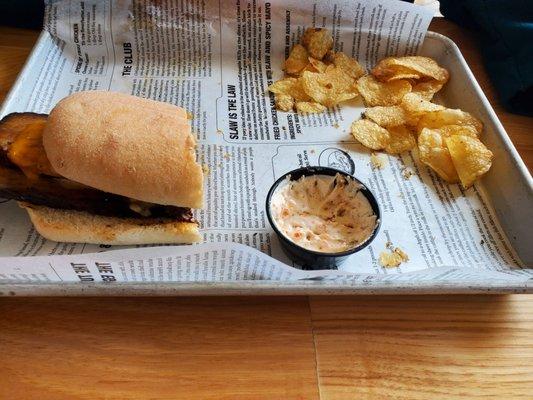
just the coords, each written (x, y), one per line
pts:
(385, 71)
(387, 115)
(331, 67)
(399, 72)
(349, 65)
(283, 86)
(329, 57)
(415, 105)
(401, 140)
(290, 86)
(309, 107)
(391, 67)
(427, 90)
(434, 153)
(470, 157)
(449, 116)
(317, 41)
(370, 134)
(316, 65)
(328, 88)
(298, 59)
(394, 73)
(284, 102)
(376, 93)
(345, 96)
(462, 130)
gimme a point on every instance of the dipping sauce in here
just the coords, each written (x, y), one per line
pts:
(323, 213)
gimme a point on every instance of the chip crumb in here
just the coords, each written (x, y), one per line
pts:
(205, 169)
(402, 254)
(312, 151)
(219, 131)
(392, 258)
(336, 126)
(388, 245)
(376, 161)
(227, 156)
(407, 173)
(189, 115)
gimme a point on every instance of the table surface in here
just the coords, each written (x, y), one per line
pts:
(417, 347)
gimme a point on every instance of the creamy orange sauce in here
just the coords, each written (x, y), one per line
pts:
(323, 213)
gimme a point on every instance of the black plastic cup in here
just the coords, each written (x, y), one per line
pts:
(310, 259)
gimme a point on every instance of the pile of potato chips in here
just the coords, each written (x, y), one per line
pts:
(400, 115)
(318, 78)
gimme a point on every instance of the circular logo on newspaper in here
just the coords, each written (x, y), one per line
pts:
(336, 158)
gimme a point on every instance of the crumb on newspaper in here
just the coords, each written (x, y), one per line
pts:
(407, 173)
(377, 161)
(392, 257)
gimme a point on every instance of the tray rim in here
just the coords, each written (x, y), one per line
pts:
(277, 288)
(253, 288)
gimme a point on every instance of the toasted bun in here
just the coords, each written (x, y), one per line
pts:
(81, 227)
(125, 145)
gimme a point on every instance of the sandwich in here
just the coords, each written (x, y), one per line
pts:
(105, 168)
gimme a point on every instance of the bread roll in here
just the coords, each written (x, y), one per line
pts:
(125, 145)
(81, 227)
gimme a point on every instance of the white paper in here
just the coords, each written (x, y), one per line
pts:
(216, 59)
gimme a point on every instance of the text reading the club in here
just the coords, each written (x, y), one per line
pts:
(128, 59)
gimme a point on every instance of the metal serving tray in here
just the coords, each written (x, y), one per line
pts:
(509, 186)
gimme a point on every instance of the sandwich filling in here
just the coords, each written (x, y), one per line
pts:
(26, 175)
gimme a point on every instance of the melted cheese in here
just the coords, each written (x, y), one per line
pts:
(27, 151)
(323, 213)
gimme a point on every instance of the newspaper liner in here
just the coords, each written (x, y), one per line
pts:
(216, 58)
